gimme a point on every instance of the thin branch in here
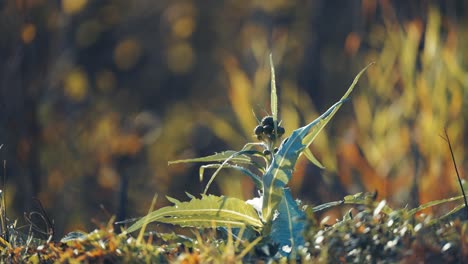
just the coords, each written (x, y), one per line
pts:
(456, 170)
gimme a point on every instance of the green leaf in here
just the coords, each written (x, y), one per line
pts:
(206, 212)
(312, 158)
(189, 195)
(434, 203)
(280, 170)
(368, 199)
(225, 163)
(172, 200)
(326, 206)
(288, 226)
(323, 121)
(452, 214)
(218, 157)
(74, 236)
(258, 182)
(359, 198)
(274, 97)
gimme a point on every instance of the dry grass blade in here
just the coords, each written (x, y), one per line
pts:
(142, 231)
(249, 247)
(3, 213)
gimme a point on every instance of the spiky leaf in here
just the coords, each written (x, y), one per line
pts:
(209, 211)
(280, 170)
(218, 157)
(288, 226)
(323, 121)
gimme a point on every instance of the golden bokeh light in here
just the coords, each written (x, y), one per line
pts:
(180, 58)
(73, 6)
(28, 34)
(127, 53)
(76, 85)
(184, 27)
(105, 81)
(181, 19)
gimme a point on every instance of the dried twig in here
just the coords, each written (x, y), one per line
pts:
(446, 138)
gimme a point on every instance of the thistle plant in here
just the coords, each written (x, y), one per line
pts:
(274, 215)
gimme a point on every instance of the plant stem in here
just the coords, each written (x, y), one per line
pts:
(456, 170)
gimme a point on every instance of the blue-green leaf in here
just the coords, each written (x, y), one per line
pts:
(209, 211)
(280, 170)
(323, 121)
(288, 226)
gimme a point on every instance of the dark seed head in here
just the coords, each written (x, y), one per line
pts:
(268, 121)
(275, 150)
(280, 130)
(258, 130)
(266, 152)
(267, 129)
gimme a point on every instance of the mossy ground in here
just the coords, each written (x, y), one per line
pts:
(366, 234)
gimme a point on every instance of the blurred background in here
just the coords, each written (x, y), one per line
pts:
(97, 96)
